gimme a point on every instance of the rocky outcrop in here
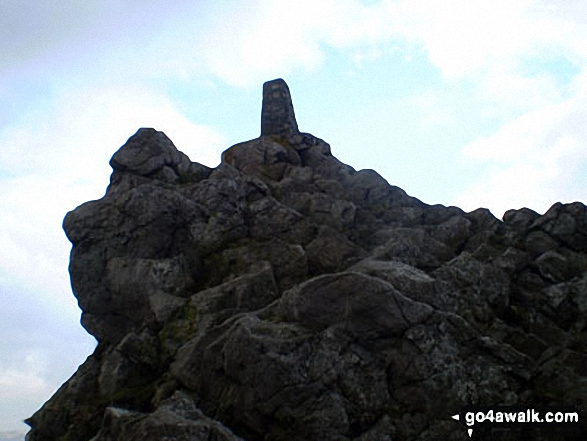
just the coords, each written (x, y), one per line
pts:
(285, 296)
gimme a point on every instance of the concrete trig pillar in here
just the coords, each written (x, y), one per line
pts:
(277, 114)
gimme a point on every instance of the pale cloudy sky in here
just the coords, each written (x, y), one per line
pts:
(459, 102)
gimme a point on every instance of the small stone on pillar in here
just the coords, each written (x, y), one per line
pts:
(277, 114)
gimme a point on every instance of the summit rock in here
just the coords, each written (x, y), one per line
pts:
(286, 296)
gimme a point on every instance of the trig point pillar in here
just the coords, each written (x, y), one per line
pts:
(277, 114)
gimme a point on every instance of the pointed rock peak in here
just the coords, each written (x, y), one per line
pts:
(145, 152)
(277, 114)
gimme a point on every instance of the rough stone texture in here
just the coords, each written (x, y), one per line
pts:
(277, 114)
(285, 296)
(177, 418)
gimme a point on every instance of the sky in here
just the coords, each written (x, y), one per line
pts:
(460, 102)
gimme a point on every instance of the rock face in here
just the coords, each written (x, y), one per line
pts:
(285, 296)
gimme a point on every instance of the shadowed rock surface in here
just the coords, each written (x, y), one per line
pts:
(285, 296)
(277, 114)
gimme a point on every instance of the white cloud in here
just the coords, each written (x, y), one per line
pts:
(537, 156)
(52, 32)
(503, 85)
(535, 160)
(24, 385)
(271, 38)
(264, 39)
(433, 113)
(24, 380)
(521, 139)
(485, 43)
(461, 36)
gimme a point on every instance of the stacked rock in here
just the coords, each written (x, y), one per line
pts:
(277, 115)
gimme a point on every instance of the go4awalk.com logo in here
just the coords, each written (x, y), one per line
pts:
(564, 419)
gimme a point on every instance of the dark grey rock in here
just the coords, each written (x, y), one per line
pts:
(415, 247)
(263, 157)
(453, 232)
(177, 418)
(147, 152)
(553, 266)
(193, 172)
(277, 115)
(539, 242)
(520, 219)
(285, 296)
(410, 281)
(362, 304)
(566, 223)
